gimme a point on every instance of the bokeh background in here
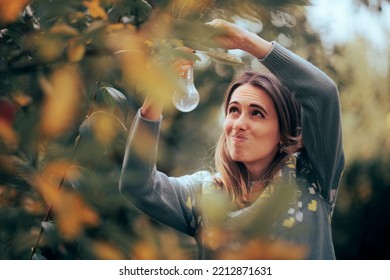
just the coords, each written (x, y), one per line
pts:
(73, 74)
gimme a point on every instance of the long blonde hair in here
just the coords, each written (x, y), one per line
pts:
(233, 175)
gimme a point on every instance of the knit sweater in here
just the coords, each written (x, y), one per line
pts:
(317, 169)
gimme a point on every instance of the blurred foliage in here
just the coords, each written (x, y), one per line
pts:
(72, 75)
(361, 228)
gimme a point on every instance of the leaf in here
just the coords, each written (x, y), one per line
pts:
(80, 177)
(144, 7)
(73, 215)
(9, 10)
(136, 8)
(114, 99)
(143, 250)
(195, 35)
(75, 50)
(38, 257)
(62, 97)
(183, 9)
(51, 234)
(94, 31)
(48, 227)
(225, 58)
(95, 10)
(15, 36)
(8, 135)
(106, 251)
(71, 212)
(64, 30)
(102, 126)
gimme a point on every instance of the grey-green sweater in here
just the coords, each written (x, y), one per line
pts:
(307, 219)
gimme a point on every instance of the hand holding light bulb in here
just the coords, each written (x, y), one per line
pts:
(186, 97)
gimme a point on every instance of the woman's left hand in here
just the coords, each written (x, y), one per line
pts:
(235, 37)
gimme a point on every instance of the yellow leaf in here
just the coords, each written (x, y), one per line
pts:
(143, 250)
(95, 10)
(214, 237)
(9, 10)
(73, 215)
(107, 251)
(7, 134)
(8, 164)
(62, 98)
(75, 50)
(105, 127)
(59, 169)
(63, 29)
(32, 206)
(140, 69)
(182, 8)
(21, 99)
(69, 208)
(48, 47)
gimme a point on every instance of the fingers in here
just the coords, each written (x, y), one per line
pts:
(185, 49)
(182, 63)
(217, 22)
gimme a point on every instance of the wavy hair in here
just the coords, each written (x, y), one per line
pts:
(233, 175)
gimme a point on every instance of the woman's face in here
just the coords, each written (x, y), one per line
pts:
(251, 129)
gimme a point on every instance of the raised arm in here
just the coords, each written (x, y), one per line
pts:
(165, 199)
(321, 115)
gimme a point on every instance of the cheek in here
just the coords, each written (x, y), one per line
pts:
(269, 132)
(275, 134)
(227, 126)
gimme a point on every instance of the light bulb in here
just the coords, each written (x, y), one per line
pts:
(186, 98)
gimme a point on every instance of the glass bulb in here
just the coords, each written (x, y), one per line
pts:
(186, 98)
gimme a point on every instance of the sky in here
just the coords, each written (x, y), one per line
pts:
(341, 20)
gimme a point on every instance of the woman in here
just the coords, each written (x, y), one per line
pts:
(279, 158)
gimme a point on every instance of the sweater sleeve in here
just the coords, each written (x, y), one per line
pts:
(166, 199)
(321, 115)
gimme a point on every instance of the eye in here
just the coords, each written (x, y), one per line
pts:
(257, 113)
(233, 109)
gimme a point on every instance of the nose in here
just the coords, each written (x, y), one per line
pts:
(240, 123)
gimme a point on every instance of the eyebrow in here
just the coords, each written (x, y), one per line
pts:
(252, 105)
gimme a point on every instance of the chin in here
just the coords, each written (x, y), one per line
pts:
(237, 158)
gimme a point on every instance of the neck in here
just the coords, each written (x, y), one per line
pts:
(257, 171)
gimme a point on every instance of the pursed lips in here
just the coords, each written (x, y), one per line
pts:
(239, 137)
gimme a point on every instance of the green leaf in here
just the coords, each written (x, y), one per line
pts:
(15, 36)
(37, 257)
(92, 130)
(114, 99)
(195, 35)
(135, 8)
(84, 178)
(94, 32)
(177, 53)
(51, 234)
(144, 7)
(225, 58)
